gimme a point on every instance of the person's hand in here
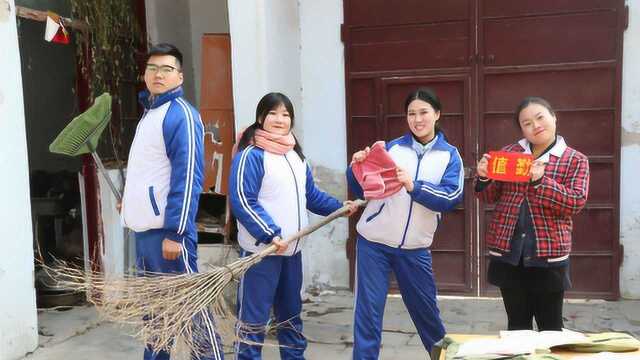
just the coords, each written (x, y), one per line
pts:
(537, 170)
(170, 249)
(352, 208)
(405, 179)
(359, 156)
(281, 246)
(483, 165)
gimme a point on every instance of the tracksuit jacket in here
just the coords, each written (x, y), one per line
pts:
(271, 196)
(408, 220)
(165, 168)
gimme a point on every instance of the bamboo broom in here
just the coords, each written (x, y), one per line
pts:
(174, 312)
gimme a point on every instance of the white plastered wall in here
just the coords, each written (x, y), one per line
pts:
(18, 316)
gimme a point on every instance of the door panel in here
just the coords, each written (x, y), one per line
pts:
(573, 89)
(519, 41)
(378, 12)
(389, 52)
(410, 47)
(451, 251)
(216, 109)
(509, 8)
(567, 52)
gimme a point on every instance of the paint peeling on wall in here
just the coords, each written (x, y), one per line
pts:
(330, 181)
(630, 274)
(631, 133)
(324, 252)
(5, 11)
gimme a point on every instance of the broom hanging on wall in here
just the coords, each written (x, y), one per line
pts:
(165, 310)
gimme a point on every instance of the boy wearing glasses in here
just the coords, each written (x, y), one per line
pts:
(164, 179)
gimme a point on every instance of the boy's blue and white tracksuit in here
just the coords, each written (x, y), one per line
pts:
(270, 195)
(394, 234)
(164, 182)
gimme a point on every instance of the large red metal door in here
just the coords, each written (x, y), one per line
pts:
(390, 51)
(482, 57)
(568, 52)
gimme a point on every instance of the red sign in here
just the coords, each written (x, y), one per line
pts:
(509, 166)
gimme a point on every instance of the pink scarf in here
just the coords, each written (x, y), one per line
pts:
(273, 143)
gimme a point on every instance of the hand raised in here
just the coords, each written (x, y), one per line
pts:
(359, 156)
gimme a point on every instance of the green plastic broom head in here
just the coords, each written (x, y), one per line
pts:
(81, 135)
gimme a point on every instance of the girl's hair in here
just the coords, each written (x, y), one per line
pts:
(532, 100)
(267, 103)
(427, 95)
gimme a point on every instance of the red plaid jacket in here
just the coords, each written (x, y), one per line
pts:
(561, 193)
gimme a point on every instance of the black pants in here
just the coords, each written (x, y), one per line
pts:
(523, 305)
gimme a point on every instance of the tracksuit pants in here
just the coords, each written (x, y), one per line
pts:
(275, 282)
(413, 271)
(149, 259)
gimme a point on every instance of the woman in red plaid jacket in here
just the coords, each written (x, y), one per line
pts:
(529, 237)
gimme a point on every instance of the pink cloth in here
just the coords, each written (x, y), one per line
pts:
(377, 173)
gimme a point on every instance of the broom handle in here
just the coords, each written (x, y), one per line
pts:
(103, 171)
(311, 228)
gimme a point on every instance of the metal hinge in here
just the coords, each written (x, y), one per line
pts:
(625, 24)
(343, 33)
(621, 255)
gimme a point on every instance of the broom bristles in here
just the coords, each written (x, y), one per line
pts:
(172, 311)
(164, 311)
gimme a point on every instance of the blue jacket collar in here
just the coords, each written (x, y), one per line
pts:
(144, 97)
(440, 143)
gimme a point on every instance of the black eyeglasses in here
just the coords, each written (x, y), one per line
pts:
(164, 69)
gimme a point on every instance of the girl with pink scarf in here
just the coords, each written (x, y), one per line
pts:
(271, 188)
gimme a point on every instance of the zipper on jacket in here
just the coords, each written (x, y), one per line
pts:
(404, 235)
(144, 115)
(295, 181)
(122, 205)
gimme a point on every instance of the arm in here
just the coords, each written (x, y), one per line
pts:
(245, 180)
(488, 191)
(565, 199)
(319, 202)
(183, 134)
(353, 184)
(445, 195)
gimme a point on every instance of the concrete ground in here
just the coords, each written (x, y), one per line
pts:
(78, 334)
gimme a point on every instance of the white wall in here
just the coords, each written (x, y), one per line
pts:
(324, 126)
(169, 21)
(248, 36)
(265, 42)
(630, 158)
(18, 324)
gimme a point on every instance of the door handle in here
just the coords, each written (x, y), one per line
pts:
(469, 172)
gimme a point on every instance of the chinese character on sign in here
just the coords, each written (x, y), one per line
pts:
(522, 167)
(500, 165)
